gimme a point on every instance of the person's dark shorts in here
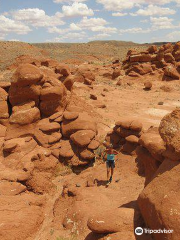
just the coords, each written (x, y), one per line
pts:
(110, 164)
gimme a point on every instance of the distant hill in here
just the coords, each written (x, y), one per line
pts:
(94, 51)
(114, 42)
(10, 50)
(72, 53)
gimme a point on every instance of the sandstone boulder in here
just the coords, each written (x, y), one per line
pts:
(149, 163)
(169, 131)
(83, 137)
(168, 57)
(27, 74)
(11, 188)
(24, 117)
(83, 122)
(154, 144)
(4, 111)
(112, 221)
(116, 73)
(23, 214)
(170, 71)
(68, 82)
(158, 201)
(147, 85)
(87, 154)
(66, 150)
(53, 97)
(70, 115)
(152, 49)
(63, 69)
(93, 145)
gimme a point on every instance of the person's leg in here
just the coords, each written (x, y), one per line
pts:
(112, 170)
(108, 172)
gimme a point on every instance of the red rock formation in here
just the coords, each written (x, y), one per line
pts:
(41, 128)
(149, 62)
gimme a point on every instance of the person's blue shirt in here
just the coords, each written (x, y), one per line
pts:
(110, 157)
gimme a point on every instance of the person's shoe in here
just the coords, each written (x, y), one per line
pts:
(110, 180)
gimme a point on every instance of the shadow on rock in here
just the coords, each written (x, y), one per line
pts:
(132, 204)
(94, 236)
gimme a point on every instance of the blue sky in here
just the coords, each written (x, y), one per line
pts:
(86, 20)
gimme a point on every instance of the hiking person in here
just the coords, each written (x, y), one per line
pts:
(110, 162)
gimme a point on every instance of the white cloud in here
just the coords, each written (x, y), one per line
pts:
(157, 23)
(174, 36)
(134, 30)
(119, 14)
(104, 29)
(37, 17)
(88, 23)
(58, 30)
(178, 3)
(2, 36)
(77, 9)
(120, 5)
(75, 27)
(162, 23)
(68, 1)
(116, 5)
(100, 36)
(144, 21)
(74, 37)
(154, 10)
(14, 40)
(94, 25)
(8, 25)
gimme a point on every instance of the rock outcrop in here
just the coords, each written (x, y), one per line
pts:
(125, 135)
(43, 125)
(158, 201)
(155, 63)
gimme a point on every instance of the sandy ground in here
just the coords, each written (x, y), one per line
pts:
(121, 101)
(132, 101)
